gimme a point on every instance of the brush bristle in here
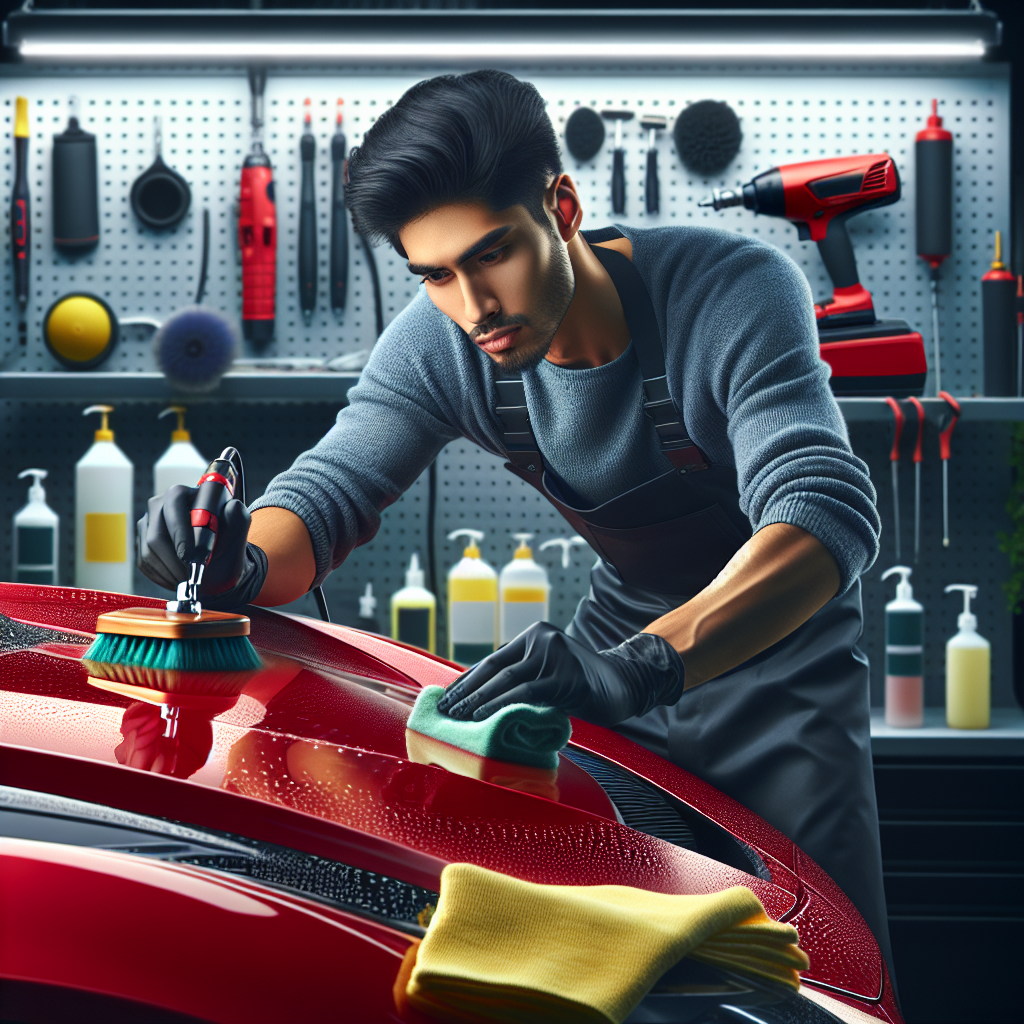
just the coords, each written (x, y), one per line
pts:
(220, 654)
(205, 684)
(195, 347)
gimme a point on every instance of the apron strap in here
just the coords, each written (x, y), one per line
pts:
(675, 442)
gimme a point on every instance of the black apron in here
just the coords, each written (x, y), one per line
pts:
(787, 733)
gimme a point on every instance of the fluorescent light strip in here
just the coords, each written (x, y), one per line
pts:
(483, 51)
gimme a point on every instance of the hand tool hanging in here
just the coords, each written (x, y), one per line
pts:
(307, 219)
(946, 428)
(257, 227)
(918, 459)
(999, 325)
(933, 151)
(76, 212)
(160, 196)
(21, 217)
(894, 462)
(651, 187)
(339, 218)
(618, 159)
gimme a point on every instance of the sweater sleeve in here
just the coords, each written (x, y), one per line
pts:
(789, 440)
(394, 425)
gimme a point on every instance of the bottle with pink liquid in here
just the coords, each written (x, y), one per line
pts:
(904, 654)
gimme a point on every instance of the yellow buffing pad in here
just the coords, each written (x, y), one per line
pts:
(80, 330)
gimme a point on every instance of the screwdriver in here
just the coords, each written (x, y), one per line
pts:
(652, 190)
(21, 222)
(618, 159)
(307, 219)
(918, 459)
(945, 434)
(894, 462)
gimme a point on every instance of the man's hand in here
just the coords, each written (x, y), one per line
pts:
(545, 666)
(165, 549)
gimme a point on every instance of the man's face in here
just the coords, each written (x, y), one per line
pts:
(502, 277)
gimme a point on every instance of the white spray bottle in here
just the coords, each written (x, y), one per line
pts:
(472, 603)
(968, 669)
(523, 590)
(180, 463)
(414, 610)
(904, 654)
(36, 535)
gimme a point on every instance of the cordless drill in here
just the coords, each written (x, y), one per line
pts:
(868, 356)
(257, 229)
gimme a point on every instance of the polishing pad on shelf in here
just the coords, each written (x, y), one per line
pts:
(584, 133)
(708, 137)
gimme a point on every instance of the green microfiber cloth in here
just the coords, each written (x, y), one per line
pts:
(519, 733)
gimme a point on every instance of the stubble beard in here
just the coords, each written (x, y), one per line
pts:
(557, 295)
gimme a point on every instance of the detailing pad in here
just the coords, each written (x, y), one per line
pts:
(501, 949)
(519, 733)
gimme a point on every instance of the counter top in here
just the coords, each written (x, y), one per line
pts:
(1004, 737)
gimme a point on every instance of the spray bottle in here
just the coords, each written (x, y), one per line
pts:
(104, 524)
(472, 603)
(414, 610)
(968, 669)
(36, 535)
(523, 592)
(181, 463)
(904, 654)
(368, 611)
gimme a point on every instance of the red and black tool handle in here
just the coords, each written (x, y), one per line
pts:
(949, 424)
(217, 486)
(897, 417)
(257, 236)
(919, 409)
(933, 162)
(307, 227)
(21, 223)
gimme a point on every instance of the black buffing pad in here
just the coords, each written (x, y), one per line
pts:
(707, 137)
(584, 133)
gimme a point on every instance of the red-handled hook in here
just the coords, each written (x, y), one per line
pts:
(945, 436)
(894, 461)
(918, 459)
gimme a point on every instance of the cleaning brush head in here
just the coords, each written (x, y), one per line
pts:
(584, 134)
(708, 137)
(195, 347)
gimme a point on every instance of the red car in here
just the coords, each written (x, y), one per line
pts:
(199, 853)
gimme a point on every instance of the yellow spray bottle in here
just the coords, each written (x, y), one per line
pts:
(472, 603)
(968, 669)
(414, 610)
(523, 587)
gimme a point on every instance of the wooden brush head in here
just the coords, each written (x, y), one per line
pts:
(163, 625)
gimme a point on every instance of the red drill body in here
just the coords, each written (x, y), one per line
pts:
(257, 236)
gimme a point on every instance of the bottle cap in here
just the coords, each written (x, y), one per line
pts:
(104, 433)
(35, 491)
(904, 591)
(523, 551)
(367, 603)
(966, 620)
(414, 574)
(180, 434)
(565, 543)
(475, 536)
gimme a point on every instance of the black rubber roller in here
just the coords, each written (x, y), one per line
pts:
(584, 134)
(707, 137)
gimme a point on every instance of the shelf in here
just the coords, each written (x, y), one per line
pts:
(258, 386)
(1004, 737)
(857, 410)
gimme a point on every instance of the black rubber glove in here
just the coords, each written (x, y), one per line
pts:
(237, 569)
(543, 665)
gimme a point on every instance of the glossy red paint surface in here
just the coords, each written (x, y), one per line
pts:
(312, 754)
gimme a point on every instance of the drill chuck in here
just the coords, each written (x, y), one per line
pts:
(721, 198)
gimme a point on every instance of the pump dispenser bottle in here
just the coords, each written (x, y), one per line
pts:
(904, 654)
(104, 524)
(472, 603)
(36, 535)
(968, 670)
(368, 611)
(181, 463)
(414, 610)
(523, 592)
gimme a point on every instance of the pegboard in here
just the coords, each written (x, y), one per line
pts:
(785, 117)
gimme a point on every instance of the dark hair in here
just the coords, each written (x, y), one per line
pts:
(482, 136)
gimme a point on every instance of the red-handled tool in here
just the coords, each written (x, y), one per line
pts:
(257, 228)
(894, 462)
(918, 459)
(945, 434)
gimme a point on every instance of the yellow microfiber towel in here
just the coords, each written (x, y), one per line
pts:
(500, 949)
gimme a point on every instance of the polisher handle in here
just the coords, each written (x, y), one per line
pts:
(339, 225)
(216, 488)
(619, 181)
(651, 188)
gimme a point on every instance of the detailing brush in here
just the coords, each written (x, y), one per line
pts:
(185, 638)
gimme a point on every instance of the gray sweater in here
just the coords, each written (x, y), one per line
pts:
(742, 359)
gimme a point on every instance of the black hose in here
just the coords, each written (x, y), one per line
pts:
(205, 261)
(431, 525)
(371, 262)
(321, 604)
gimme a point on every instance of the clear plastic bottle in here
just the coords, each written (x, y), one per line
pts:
(472, 603)
(368, 611)
(414, 610)
(180, 463)
(523, 590)
(904, 654)
(104, 520)
(968, 669)
(36, 535)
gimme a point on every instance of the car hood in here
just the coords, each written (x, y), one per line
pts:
(313, 750)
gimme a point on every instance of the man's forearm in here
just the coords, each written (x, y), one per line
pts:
(773, 584)
(291, 566)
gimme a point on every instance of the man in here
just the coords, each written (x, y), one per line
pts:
(663, 389)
